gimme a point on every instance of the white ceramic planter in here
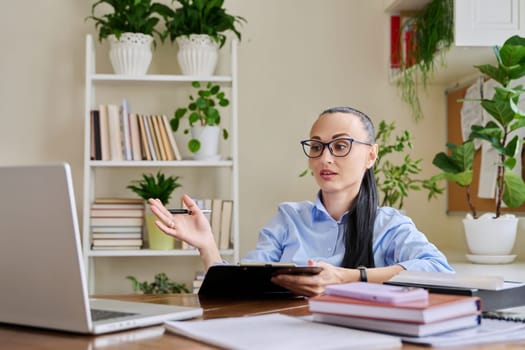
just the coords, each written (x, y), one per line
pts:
(197, 54)
(131, 55)
(488, 236)
(209, 137)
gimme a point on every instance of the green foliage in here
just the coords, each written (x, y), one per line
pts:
(457, 167)
(151, 186)
(202, 17)
(434, 34)
(396, 180)
(202, 109)
(503, 107)
(134, 16)
(161, 285)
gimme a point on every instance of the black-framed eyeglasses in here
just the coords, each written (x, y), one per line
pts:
(338, 147)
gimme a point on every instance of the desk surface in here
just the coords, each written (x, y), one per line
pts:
(13, 337)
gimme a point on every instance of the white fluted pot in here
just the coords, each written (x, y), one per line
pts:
(131, 55)
(197, 54)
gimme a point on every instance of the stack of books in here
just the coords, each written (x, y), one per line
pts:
(438, 314)
(117, 223)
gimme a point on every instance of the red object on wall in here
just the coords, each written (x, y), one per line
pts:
(395, 42)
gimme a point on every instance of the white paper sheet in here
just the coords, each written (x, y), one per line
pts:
(490, 331)
(276, 331)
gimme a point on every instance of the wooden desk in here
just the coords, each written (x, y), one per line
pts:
(13, 337)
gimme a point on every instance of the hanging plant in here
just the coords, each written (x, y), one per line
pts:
(433, 35)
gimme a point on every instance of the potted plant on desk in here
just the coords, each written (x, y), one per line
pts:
(493, 234)
(129, 28)
(161, 187)
(198, 27)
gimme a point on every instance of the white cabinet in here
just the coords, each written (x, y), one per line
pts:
(219, 179)
(487, 22)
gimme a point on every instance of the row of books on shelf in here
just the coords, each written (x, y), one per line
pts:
(117, 134)
(117, 223)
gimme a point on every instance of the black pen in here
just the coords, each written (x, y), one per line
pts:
(187, 211)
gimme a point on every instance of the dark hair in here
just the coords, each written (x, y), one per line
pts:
(359, 231)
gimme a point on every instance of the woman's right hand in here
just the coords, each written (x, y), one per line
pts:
(193, 228)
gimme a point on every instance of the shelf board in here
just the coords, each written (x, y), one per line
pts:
(396, 6)
(459, 65)
(160, 163)
(150, 252)
(158, 78)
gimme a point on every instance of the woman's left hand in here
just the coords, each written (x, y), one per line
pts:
(311, 285)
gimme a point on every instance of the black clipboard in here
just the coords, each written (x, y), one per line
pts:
(249, 280)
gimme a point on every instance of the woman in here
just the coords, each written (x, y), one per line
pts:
(343, 231)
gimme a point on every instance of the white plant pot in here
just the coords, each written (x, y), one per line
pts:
(488, 236)
(197, 54)
(209, 137)
(131, 55)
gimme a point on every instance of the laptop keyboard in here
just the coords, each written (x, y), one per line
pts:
(99, 315)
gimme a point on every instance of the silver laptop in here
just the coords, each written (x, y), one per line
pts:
(43, 282)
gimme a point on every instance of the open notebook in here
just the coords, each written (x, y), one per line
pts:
(41, 265)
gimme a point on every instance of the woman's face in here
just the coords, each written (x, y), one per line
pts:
(341, 174)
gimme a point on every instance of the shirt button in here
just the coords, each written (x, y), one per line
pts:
(329, 249)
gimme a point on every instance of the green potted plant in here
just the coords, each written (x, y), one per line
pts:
(204, 119)
(161, 187)
(161, 284)
(396, 179)
(129, 27)
(199, 27)
(499, 135)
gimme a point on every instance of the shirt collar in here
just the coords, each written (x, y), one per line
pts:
(319, 209)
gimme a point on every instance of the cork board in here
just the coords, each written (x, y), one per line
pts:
(457, 200)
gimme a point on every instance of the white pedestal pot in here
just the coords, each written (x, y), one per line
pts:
(131, 55)
(197, 54)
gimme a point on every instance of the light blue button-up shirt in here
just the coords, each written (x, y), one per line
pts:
(304, 230)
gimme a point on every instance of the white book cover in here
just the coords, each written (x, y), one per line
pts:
(115, 133)
(126, 132)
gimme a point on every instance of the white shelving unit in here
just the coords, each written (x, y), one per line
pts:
(91, 167)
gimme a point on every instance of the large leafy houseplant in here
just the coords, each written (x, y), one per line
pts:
(202, 17)
(128, 16)
(493, 234)
(498, 132)
(202, 110)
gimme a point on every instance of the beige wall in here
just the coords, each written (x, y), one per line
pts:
(296, 58)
